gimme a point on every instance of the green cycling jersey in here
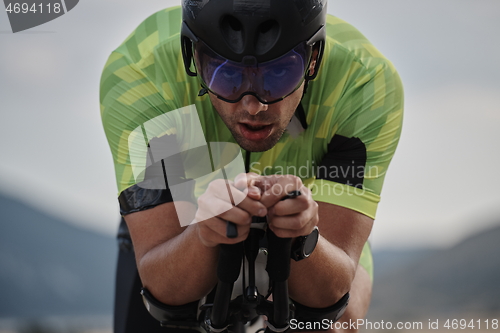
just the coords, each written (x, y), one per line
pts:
(343, 145)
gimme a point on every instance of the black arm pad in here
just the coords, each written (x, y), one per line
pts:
(182, 316)
(314, 317)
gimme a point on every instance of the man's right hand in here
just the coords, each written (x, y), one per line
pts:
(212, 224)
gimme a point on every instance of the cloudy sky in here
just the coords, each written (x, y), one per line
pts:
(441, 186)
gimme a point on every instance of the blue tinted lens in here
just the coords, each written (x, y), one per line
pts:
(269, 81)
(224, 78)
(282, 76)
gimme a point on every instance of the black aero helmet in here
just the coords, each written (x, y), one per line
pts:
(252, 31)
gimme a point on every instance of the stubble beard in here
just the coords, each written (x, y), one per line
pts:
(261, 146)
(264, 145)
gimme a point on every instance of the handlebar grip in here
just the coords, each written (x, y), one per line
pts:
(230, 259)
(228, 270)
(278, 268)
(278, 259)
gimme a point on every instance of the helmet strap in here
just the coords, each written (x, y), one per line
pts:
(306, 84)
(203, 91)
(301, 115)
(300, 112)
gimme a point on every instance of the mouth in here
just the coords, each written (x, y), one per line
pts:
(255, 131)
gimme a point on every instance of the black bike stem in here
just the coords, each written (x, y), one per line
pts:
(251, 252)
(278, 268)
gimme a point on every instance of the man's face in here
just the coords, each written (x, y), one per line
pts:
(255, 126)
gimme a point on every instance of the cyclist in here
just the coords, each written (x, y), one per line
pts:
(314, 106)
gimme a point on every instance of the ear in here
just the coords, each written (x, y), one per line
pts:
(317, 55)
(188, 55)
(312, 64)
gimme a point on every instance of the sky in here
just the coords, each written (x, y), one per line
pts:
(441, 186)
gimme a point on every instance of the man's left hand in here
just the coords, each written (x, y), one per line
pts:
(291, 217)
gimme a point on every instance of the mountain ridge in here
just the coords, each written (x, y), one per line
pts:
(51, 267)
(459, 280)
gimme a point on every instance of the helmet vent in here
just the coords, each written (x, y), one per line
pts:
(267, 36)
(232, 30)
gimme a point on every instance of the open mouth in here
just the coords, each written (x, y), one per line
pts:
(255, 128)
(256, 131)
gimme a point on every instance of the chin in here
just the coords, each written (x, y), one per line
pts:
(258, 147)
(255, 148)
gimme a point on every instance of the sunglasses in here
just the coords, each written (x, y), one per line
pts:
(269, 82)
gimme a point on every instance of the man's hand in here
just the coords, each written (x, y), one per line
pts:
(212, 224)
(286, 218)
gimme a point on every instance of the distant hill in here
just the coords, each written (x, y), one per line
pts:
(51, 268)
(464, 279)
(387, 261)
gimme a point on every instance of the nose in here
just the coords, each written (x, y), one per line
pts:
(252, 105)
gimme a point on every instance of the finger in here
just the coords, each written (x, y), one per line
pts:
(209, 208)
(296, 204)
(253, 207)
(245, 182)
(220, 196)
(242, 180)
(289, 233)
(243, 211)
(237, 216)
(212, 232)
(253, 179)
(291, 222)
(298, 221)
(253, 192)
(281, 186)
(293, 226)
(219, 225)
(221, 188)
(291, 206)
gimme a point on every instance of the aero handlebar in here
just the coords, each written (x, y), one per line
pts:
(225, 311)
